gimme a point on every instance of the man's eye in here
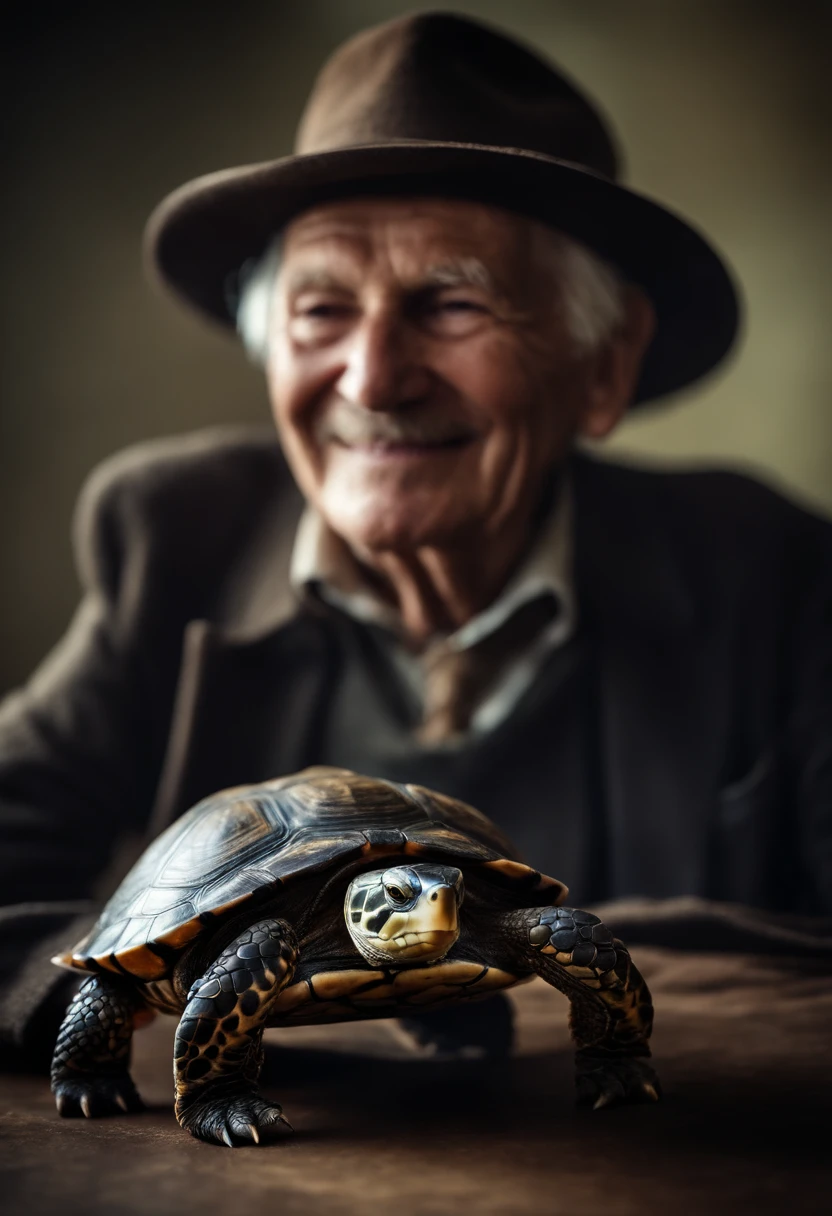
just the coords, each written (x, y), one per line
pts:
(317, 321)
(322, 312)
(454, 316)
(461, 306)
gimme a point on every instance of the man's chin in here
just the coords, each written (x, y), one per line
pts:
(394, 531)
(387, 536)
(381, 518)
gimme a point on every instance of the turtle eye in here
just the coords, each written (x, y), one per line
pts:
(397, 894)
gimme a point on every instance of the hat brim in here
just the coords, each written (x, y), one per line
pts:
(206, 230)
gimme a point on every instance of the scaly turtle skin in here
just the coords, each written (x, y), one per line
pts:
(327, 896)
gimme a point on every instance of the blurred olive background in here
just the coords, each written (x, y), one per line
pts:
(722, 108)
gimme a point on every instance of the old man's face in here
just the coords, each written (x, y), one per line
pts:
(423, 377)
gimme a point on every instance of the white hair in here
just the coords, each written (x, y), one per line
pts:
(591, 295)
(255, 292)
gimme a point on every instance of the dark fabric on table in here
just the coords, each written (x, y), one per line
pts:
(691, 924)
(35, 993)
(188, 668)
(741, 1045)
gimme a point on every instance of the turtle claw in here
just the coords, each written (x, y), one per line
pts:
(605, 1099)
(233, 1120)
(93, 1097)
(611, 1081)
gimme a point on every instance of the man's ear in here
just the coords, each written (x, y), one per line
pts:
(614, 371)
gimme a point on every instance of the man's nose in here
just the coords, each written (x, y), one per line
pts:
(384, 367)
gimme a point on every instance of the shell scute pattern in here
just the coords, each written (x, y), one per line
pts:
(469, 823)
(311, 850)
(158, 900)
(441, 838)
(382, 838)
(228, 830)
(169, 921)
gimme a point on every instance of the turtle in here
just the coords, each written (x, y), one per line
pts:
(326, 896)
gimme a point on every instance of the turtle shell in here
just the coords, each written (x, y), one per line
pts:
(245, 840)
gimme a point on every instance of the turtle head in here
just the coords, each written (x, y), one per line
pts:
(404, 916)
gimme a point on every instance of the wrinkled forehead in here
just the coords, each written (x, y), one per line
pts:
(412, 240)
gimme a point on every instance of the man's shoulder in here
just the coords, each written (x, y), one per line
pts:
(183, 500)
(217, 475)
(729, 506)
(236, 460)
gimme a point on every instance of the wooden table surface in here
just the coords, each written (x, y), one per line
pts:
(742, 1046)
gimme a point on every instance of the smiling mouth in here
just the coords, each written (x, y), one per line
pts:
(406, 447)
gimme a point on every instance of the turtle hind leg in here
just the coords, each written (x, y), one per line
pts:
(611, 1011)
(90, 1065)
(218, 1049)
(476, 1030)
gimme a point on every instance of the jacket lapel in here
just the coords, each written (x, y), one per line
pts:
(252, 679)
(659, 744)
(246, 711)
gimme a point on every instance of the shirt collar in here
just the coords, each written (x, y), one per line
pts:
(323, 565)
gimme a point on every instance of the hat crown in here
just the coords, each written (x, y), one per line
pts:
(437, 77)
(435, 105)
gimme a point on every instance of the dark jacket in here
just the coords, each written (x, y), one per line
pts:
(188, 667)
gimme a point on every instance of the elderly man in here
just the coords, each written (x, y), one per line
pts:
(631, 672)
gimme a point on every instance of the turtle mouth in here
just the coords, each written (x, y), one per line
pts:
(432, 942)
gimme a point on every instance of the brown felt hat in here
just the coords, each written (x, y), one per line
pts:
(437, 104)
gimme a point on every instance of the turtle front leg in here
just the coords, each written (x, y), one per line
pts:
(90, 1066)
(611, 1014)
(218, 1046)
